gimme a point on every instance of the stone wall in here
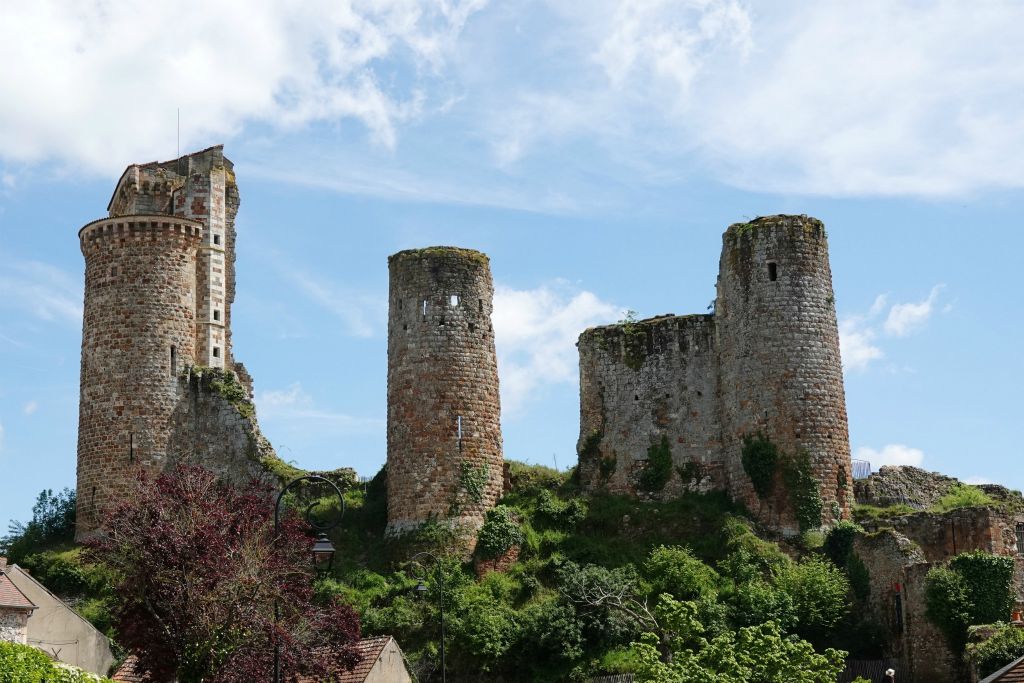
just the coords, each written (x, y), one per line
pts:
(444, 429)
(943, 535)
(895, 485)
(767, 361)
(642, 382)
(138, 331)
(13, 625)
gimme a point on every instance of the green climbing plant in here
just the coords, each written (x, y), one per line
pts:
(760, 457)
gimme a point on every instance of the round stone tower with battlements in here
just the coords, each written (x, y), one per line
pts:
(780, 370)
(138, 329)
(444, 419)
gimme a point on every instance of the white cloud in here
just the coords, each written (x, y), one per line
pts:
(904, 319)
(294, 404)
(41, 290)
(535, 332)
(31, 407)
(891, 454)
(99, 83)
(859, 334)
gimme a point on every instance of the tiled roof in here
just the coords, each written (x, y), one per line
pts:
(1011, 673)
(126, 673)
(11, 596)
(369, 650)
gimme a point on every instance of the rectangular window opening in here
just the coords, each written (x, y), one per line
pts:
(216, 239)
(1020, 538)
(216, 352)
(216, 314)
(773, 271)
(454, 300)
(131, 447)
(174, 361)
(113, 271)
(458, 426)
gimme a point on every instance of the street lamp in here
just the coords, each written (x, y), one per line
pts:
(323, 550)
(421, 589)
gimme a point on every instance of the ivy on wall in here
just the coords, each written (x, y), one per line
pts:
(759, 457)
(973, 588)
(804, 492)
(499, 533)
(658, 470)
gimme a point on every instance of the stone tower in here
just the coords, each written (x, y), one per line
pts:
(667, 403)
(781, 373)
(159, 282)
(444, 430)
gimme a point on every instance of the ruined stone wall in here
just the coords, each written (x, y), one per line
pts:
(14, 625)
(138, 331)
(214, 427)
(444, 426)
(766, 362)
(642, 382)
(781, 373)
(930, 658)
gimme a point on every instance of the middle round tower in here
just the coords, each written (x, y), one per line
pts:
(781, 377)
(444, 416)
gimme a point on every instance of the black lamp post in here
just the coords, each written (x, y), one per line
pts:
(421, 589)
(323, 550)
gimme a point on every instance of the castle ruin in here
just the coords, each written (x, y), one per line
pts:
(444, 414)
(667, 404)
(159, 283)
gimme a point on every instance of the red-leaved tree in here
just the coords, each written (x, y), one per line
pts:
(199, 570)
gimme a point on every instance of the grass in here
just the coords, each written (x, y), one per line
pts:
(962, 496)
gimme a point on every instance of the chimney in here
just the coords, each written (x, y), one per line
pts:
(3, 563)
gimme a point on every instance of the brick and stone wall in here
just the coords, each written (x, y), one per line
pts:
(138, 332)
(639, 383)
(443, 408)
(14, 625)
(767, 361)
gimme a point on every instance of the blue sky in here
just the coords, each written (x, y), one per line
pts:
(596, 156)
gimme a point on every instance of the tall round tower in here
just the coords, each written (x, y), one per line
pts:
(444, 416)
(781, 375)
(138, 330)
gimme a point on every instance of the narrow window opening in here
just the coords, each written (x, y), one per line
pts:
(216, 239)
(216, 314)
(113, 271)
(458, 427)
(454, 300)
(174, 361)
(773, 271)
(481, 305)
(636, 397)
(405, 326)
(699, 393)
(216, 352)
(472, 327)
(424, 309)
(1020, 538)
(131, 447)
(440, 323)
(399, 304)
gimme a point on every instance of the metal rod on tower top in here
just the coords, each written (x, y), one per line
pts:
(178, 148)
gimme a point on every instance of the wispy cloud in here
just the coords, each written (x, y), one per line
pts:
(890, 454)
(860, 334)
(31, 407)
(904, 319)
(362, 313)
(535, 331)
(43, 291)
(294, 404)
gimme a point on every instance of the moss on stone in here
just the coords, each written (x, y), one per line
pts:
(442, 252)
(225, 384)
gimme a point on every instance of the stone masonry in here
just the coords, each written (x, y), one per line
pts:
(444, 417)
(765, 362)
(159, 283)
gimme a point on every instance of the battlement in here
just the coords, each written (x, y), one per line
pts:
(442, 253)
(809, 226)
(137, 227)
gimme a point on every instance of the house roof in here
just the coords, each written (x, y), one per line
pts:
(11, 596)
(1011, 673)
(369, 650)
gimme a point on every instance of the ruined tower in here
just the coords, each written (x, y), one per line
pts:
(444, 430)
(666, 404)
(159, 282)
(781, 373)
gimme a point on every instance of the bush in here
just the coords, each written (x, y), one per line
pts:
(674, 570)
(759, 457)
(499, 533)
(974, 588)
(839, 542)
(818, 590)
(962, 496)
(52, 524)
(658, 470)
(993, 654)
(25, 664)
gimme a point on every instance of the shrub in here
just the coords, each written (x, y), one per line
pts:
(674, 570)
(658, 470)
(499, 532)
(52, 524)
(759, 457)
(993, 654)
(25, 664)
(818, 590)
(974, 588)
(962, 496)
(804, 491)
(839, 542)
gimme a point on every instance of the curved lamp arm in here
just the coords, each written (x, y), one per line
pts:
(308, 515)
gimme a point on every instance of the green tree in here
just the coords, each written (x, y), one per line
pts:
(675, 570)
